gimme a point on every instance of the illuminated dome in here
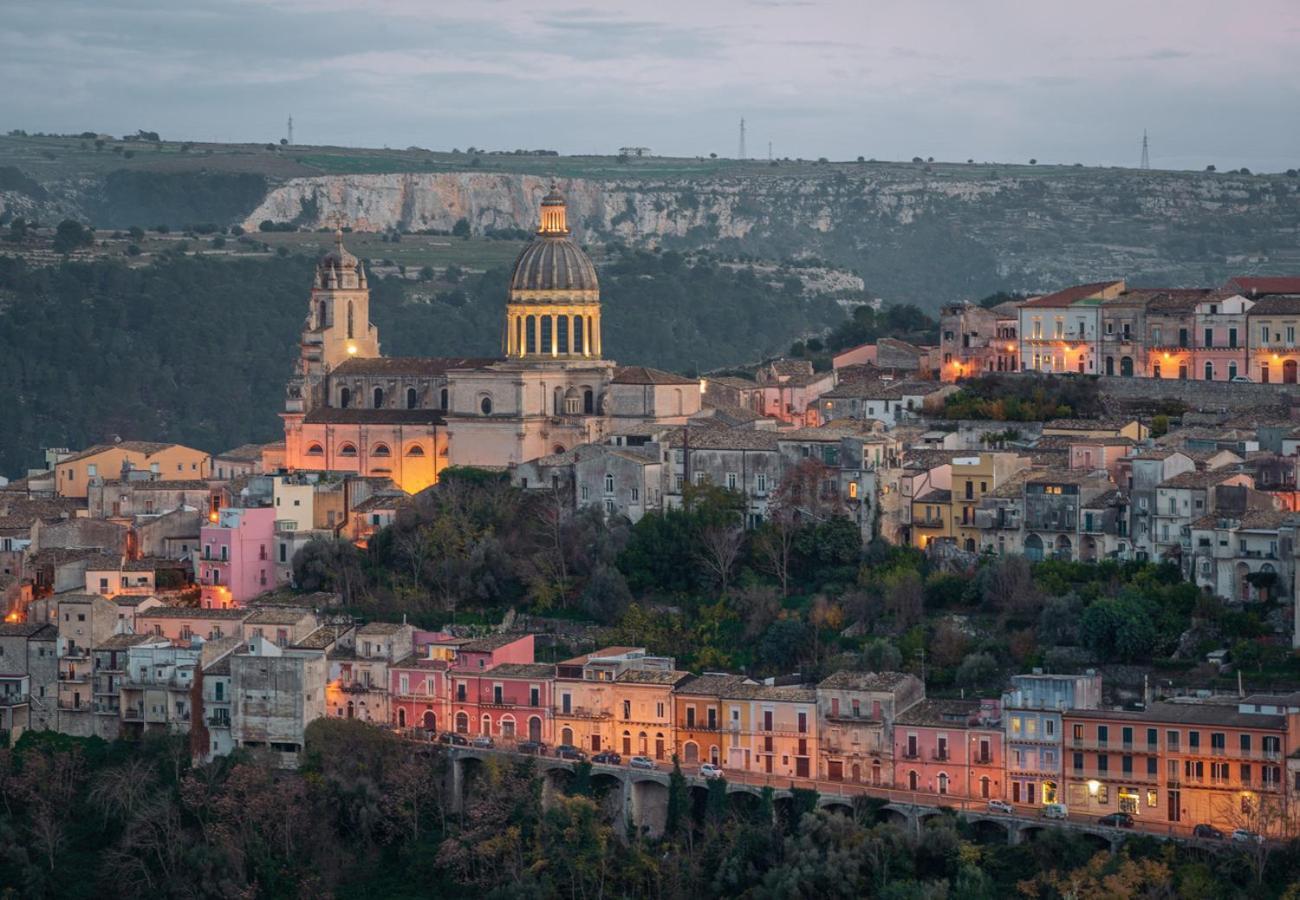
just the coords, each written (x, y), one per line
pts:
(338, 268)
(552, 261)
(554, 305)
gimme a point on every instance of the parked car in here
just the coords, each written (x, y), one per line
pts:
(642, 762)
(1117, 820)
(1245, 836)
(1056, 811)
(1241, 379)
(1209, 832)
(483, 741)
(709, 770)
(1001, 806)
(607, 758)
(534, 748)
(568, 751)
(456, 740)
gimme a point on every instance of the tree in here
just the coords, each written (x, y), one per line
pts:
(880, 655)
(461, 228)
(720, 545)
(774, 547)
(70, 236)
(904, 597)
(976, 670)
(679, 799)
(1210, 168)
(1033, 162)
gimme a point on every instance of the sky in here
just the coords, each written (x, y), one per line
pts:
(989, 80)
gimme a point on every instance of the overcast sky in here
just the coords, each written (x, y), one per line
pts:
(1003, 80)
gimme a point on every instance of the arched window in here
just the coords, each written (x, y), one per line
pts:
(566, 736)
(588, 401)
(1209, 371)
(609, 484)
(913, 780)
(507, 726)
(985, 792)
(627, 743)
(345, 398)
(534, 728)
(485, 405)
(415, 450)
(943, 782)
(348, 450)
(442, 398)
(401, 717)
(487, 724)
(315, 450)
(462, 723)
(379, 398)
(678, 401)
(381, 450)
(320, 315)
(412, 398)
(349, 320)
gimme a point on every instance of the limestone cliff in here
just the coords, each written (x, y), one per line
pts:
(925, 236)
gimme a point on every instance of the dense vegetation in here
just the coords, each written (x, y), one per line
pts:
(198, 349)
(1008, 398)
(798, 594)
(367, 817)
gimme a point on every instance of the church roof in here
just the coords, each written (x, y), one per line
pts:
(647, 375)
(332, 416)
(553, 262)
(420, 366)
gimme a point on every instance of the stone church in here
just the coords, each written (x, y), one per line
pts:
(350, 409)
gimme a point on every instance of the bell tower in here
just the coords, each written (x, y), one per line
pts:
(337, 328)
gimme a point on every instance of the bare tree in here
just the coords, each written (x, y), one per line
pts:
(118, 792)
(774, 546)
(719, 549)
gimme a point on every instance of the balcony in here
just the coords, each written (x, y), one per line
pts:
(219, 721)
(941, 756)
(15, 699)
(286, 525)
(132, 714)
(1110, 747)
(1114, 777)
(73, 677)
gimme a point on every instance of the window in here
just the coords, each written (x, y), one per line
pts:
(415, 450)
(348, 450)
(381, 450)
(379, 398)
(485, 405)
(345, 398)
(315, 450)
(636, 495)
(609, 484)
(760, 483)
(731, 481)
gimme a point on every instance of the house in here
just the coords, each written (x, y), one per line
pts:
(974, 340)
(283, 625)
(246, 459)
(181, 625)
(143, 495)
(28, 677)
(1189, 496)
(1271, 339)
(358, 674)
(950, 748)
(772, 729)
(857, 712)
(1243, 555)
(236, 564)
(788, 390)
(643, 711)
(1078, 429)
(974, 476)
(110, 461)
(210, 729)
(83, 620)
(584, 694)
(1061, 332)
(698, 716)
(156, 689)
(931, 519)
(1032, 712)
(110, 669)
(739, 459)
(890, 402)
(277, 692)
(1054, 502)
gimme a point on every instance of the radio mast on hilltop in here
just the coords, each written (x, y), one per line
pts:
(291, 131)
(742, 138)
(1146, 156)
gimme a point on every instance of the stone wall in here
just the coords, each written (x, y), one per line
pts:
(1208, 395)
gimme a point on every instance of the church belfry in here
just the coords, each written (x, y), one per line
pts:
(554, 306)
(338, 326)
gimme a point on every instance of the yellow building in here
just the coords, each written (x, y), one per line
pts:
(643, 712)
(1096, 428)
(172, 462)
(932, 517)
(584, 698)
(771, 730)
(973, 477)
(699, 718)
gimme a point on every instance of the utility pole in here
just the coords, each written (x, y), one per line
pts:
(291, 131)
(769, 151)
(1146, 155)
(742, 138)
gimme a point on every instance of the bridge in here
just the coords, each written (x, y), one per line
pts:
(639, 798)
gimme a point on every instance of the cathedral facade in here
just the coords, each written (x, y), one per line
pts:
(350, 409)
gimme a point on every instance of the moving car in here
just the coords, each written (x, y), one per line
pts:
(709, 770)
(1056, 811)
(642, 762)
(483, 741)
(1207, 831)
(568, 751)
(456, 740)
(1001, 806)
(1245, 835)
(534, 748)
(607, 758)
(1117, 820)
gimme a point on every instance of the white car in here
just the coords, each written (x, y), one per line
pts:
(1001, 806)
(709, 770)
(1245, 836)
(642, 762)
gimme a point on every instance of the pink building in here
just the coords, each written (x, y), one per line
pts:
(510, 701)
(950, 748)
(1095, 454)
(236, 564)
(181, 625)
(417, 684)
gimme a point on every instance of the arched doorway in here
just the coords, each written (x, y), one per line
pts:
(627, 743)
(351, 710)
(690, 752)
(642, 743)
(401, 717)
(875, 773)
(430, 721)
(1034, 548)
(1064, 549)
(943, 782)
(985, 787)
(508, 727)
(913, 780)
(1110, 365)
(462, 723)
(1289, 372)
(659, 746)
(534, 729)
(566, 736)
(1126, 366)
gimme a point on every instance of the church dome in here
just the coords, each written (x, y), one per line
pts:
(552, 261)
(338, 268)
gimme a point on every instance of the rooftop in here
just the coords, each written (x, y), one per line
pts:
(712, 437)
(381, 629)
(948, 713)
(647, 375)
(652, 676)
(417, 366)
(521, 670)
(286, 615)
(193, 612)
(1071, 295)
(864, 681)
(123, 641)
(1187, 714)
(243, 453)
(490, 642)
(1200, 479)
(794, 693)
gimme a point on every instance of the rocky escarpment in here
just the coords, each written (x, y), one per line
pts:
(927, 236)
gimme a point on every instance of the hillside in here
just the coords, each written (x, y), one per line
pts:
(925, 233)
